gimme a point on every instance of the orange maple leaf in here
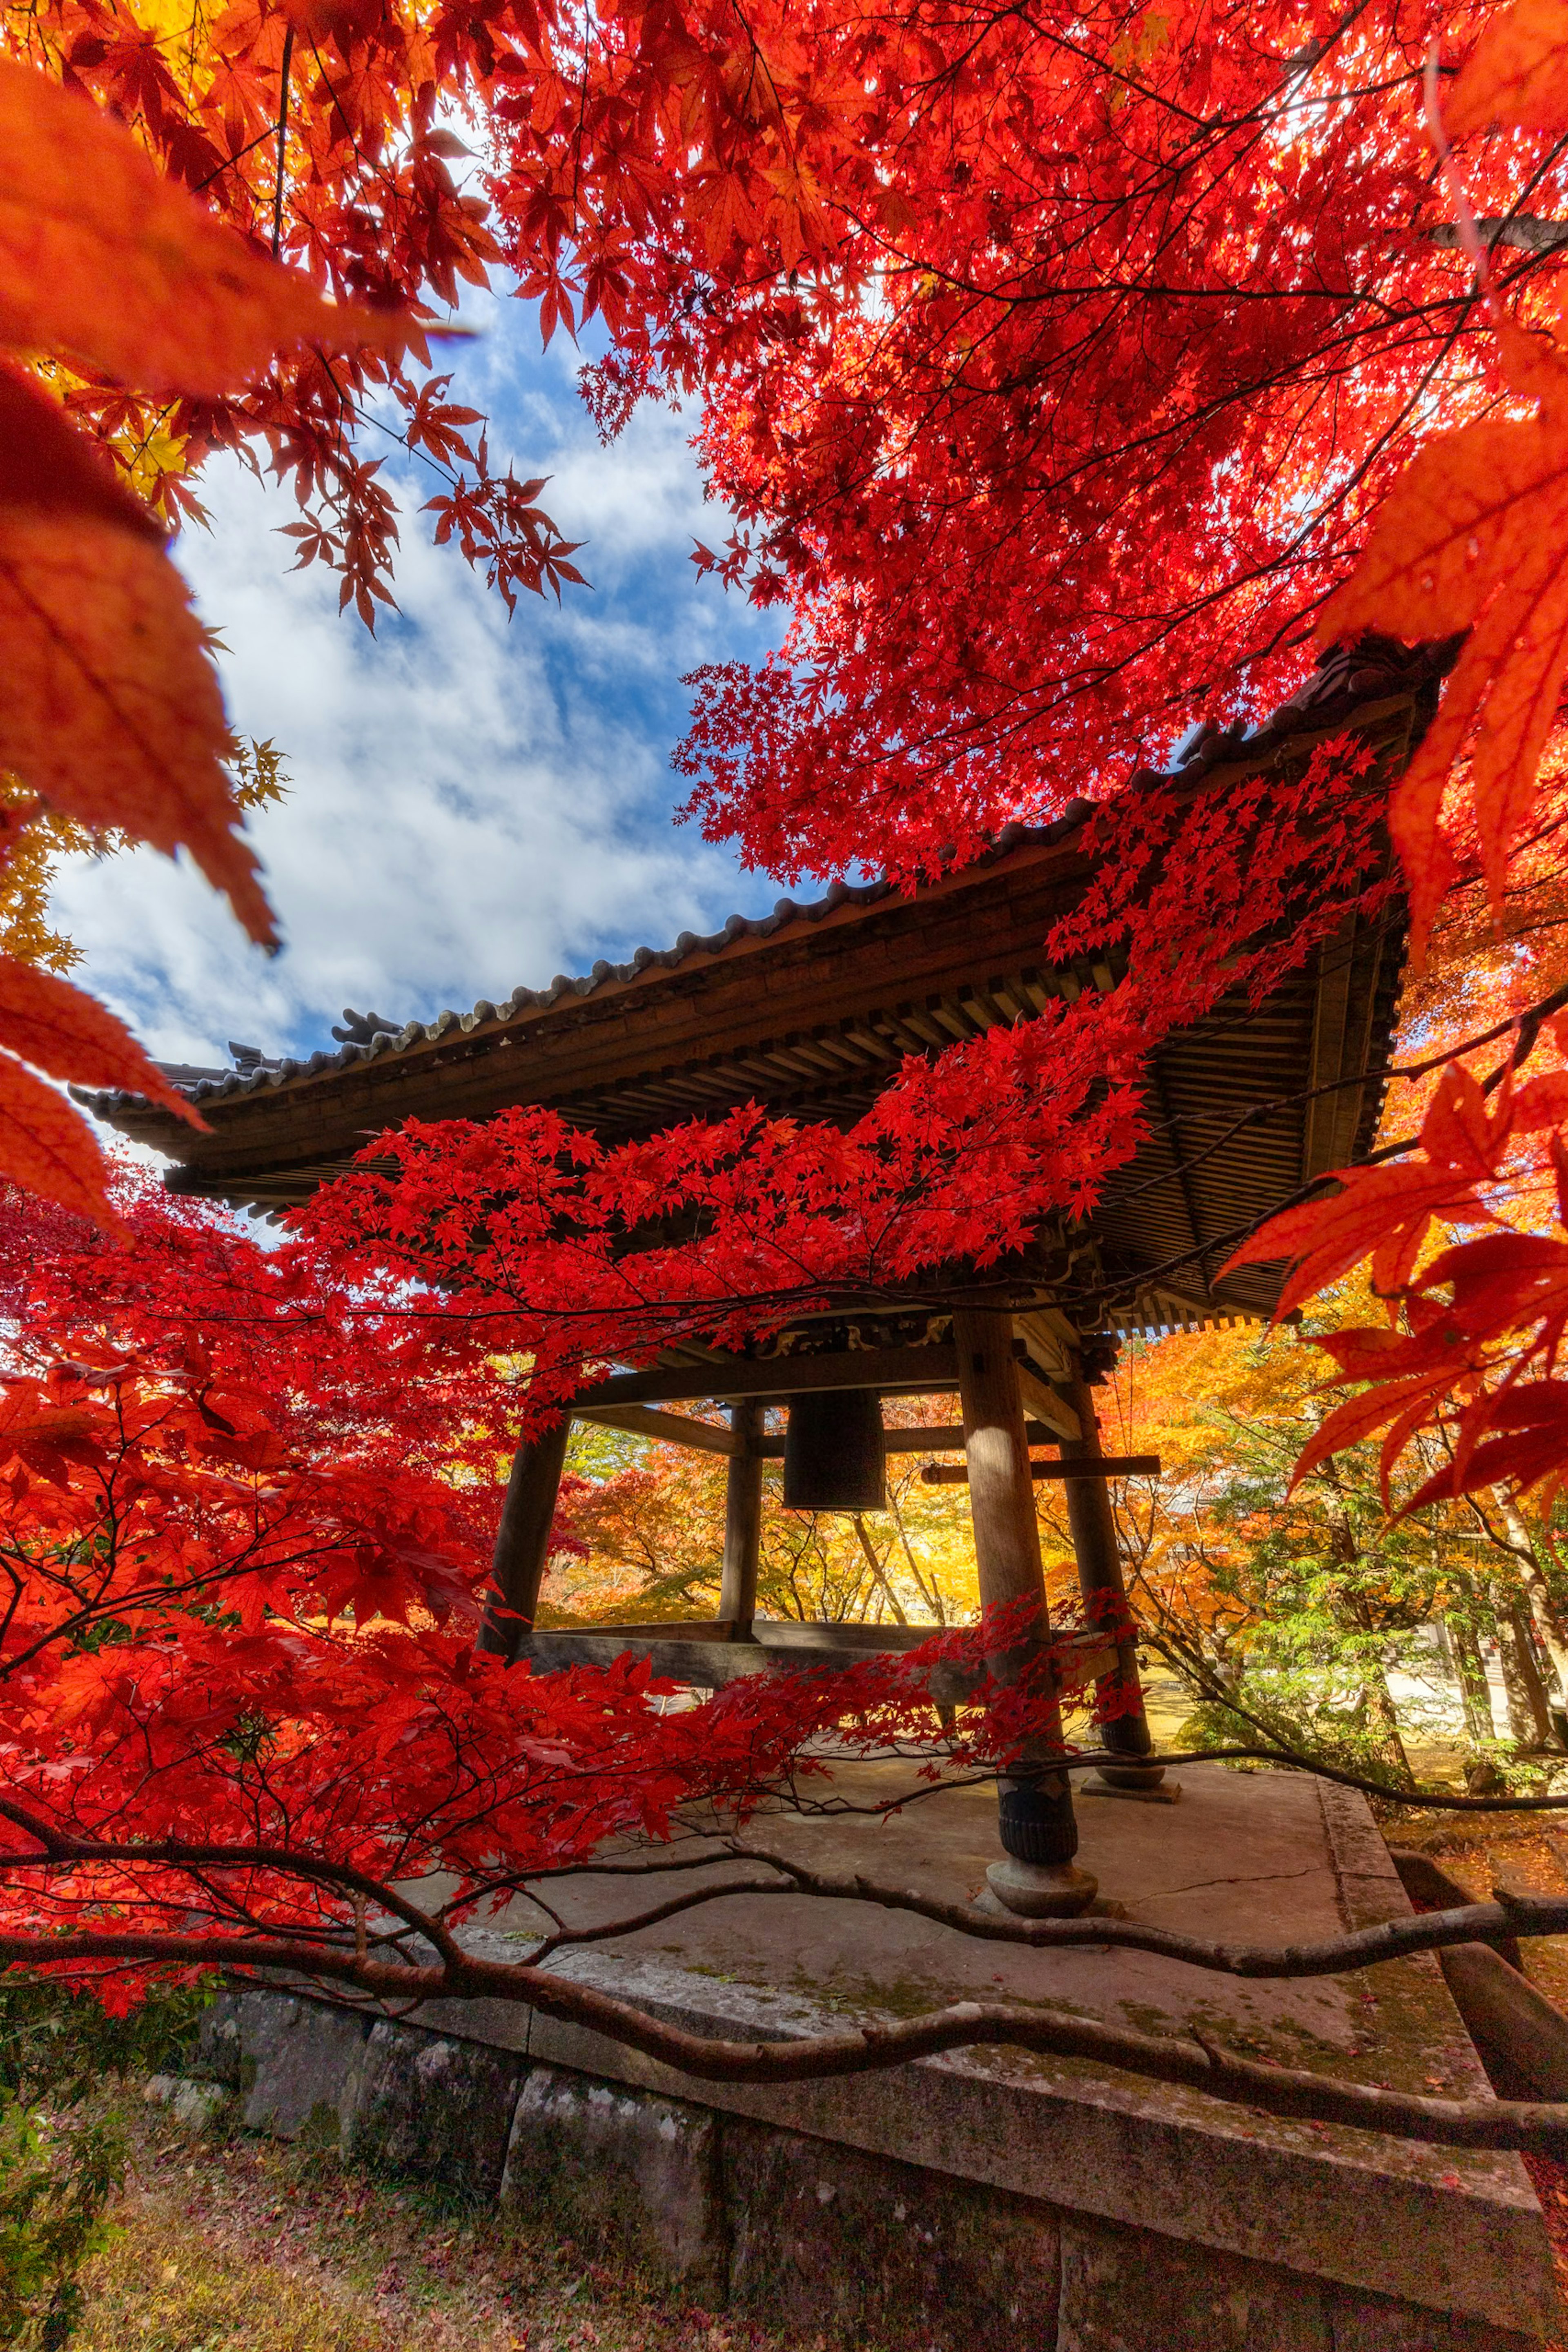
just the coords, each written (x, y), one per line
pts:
(1474, 536)
(102, 257)
(46, 465)
(1517, 73)
(68, 1035)
(47, 1147)
(112, 709)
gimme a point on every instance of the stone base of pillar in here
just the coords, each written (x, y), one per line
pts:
(1040, 1890)
(1145, 1793)
(1137, 1770)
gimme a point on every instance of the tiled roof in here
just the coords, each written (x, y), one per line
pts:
(1347, 682)
(368, 1038)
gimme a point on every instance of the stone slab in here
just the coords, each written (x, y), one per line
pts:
(1368, 2324)
(195, 2103)
(439, 2109)
(302, 2067)
(218, 2056)
(838, 2244)
(1350, 2207)
(619, 2172)
(1124, 2295)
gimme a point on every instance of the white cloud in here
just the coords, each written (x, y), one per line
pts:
(476, 804)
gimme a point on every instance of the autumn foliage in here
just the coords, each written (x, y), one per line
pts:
(1474, 538)
(1064, 377)
(244, 1528)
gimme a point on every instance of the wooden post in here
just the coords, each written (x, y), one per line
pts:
(522, 1539)
(1125, 1730)
(1036, 1820)
(742, 1521)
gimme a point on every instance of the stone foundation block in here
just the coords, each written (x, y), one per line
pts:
(194, 2105)
(863, 2251)
(621, 2172)
(1373, 2324)
(440, 2110)
(301, 2066)
(218, 2057)
(1125, 2290)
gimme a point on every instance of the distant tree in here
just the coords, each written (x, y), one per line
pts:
(1297, 1601)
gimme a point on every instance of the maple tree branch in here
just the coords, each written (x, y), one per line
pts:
(229, 161)
(60, 1850)
(693, 1899)
(1430, 1931)
(1190, 2061)
(1527, 232)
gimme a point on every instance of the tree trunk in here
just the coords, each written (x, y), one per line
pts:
(931, 1591)
(879, 1574)
(1550, 1633)
(1474, 1689)
(1380, 1707)
(1529, 1712)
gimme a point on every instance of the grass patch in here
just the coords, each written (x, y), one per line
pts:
(246, 2246)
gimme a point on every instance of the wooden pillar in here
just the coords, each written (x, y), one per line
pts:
(522, 1539)
(1036, 1820)
(742, 1521)
(1125, 1730)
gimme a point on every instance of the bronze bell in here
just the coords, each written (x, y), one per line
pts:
(835, 1455)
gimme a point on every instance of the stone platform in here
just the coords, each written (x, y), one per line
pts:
(985, 2195)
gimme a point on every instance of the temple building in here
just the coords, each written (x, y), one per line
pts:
(809, 1012)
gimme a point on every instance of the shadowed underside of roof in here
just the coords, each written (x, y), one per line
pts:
(811, 1010)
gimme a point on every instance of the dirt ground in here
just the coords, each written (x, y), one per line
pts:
(1480, 1851)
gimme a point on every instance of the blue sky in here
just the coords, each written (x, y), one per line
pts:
(476, 804)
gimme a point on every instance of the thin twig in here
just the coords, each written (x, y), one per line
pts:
(282, 142)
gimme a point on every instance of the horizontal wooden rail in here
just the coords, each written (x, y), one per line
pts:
(708, 1437)
(710, 1652)
(1092, 1465)
(946, 1438)
(906, 1372)
(669, 1428)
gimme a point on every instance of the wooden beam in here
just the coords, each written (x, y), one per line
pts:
(708, 1655)
(906, 1372)
(1043, 1401)
(1106, 1466)
(1052, 1338)
(947, 1438)
(670, 1428)
(683, 1659)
